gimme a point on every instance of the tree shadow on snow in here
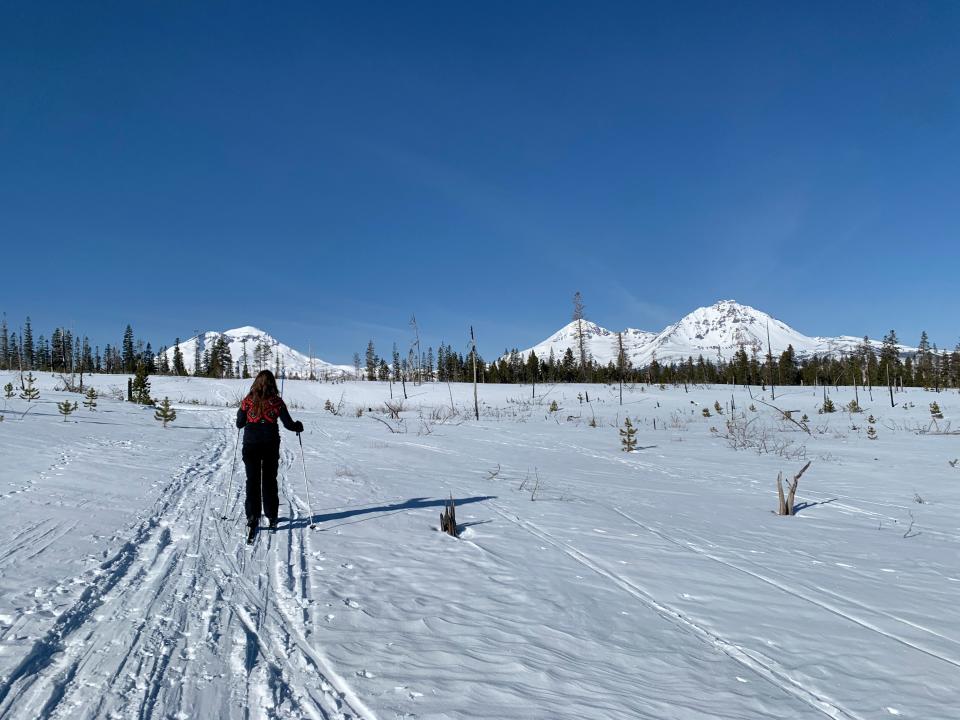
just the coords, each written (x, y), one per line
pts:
(805, 505)
(380, 511)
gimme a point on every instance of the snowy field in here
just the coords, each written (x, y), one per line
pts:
(587, 582)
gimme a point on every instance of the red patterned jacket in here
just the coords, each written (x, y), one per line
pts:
(263, 427)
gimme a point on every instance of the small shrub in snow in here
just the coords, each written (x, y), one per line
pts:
(628, 437)
(853, 407)
(752, 408)
(828, 406)
(716, 406)
(706, 412)
(8, 390)
(554, 407)
(90, 399)
(871, 432)
(935, 411)
(165, 413)
(804, 419)
(872, 420)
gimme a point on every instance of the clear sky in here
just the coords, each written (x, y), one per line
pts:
(325, 170)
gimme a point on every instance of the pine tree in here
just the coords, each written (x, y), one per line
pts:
(923, 365)
(935, 411)
(371, 359)
(165, 413)
(828, 406)
(29, 392)
(871, 432)
(26, 345)
(140, 388)
(8, 390)
(90, 399)
(178, 367)
(628, 436)
(4, 345)
(580, 332)
(65, 408)
(163, 367)
(128, 356)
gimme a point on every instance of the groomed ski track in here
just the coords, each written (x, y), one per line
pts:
(157, 621)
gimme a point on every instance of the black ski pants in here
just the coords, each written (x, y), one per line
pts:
(261, 461)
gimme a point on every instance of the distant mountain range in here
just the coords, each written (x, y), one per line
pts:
(715, 332)
(263, 352)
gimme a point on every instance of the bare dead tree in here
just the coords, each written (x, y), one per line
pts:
(473, 353)
(786, 506)
(415, 343)
(787, 415)
(581, 341)
(773, 392)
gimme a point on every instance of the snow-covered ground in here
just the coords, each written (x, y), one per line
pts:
(655, 584)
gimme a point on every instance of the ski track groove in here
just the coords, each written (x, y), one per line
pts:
(189, 596)
(760, 665)
(823, 605)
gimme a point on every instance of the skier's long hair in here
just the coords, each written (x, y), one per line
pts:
(264, 387)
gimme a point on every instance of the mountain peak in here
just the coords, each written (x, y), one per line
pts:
(714, 331)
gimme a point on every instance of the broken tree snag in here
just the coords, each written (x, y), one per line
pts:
(785, 506)
(448, 519)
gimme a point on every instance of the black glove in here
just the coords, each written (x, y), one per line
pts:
(298, 427)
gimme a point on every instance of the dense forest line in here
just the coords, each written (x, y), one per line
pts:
(64, 352)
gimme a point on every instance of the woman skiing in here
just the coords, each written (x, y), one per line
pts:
(259, 413)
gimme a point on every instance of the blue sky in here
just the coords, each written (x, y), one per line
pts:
(324, 171)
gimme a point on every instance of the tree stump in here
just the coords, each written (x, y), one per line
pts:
(448, 519)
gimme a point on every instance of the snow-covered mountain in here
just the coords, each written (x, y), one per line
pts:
(715, 332)
(262, 352)
(601, 343)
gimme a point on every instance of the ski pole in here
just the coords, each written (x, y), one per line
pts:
(226, 500)
(305, 484)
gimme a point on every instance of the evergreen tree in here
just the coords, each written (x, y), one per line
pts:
(65, 408)
(8, 390)
(26, 345)
(163, 364)
(628, 437)
(5, 363)
(178, 366)
(371, 359)
(889, 357)
(90, 399)
(129, 357)
(140, 388)
(164, 413)
(29, 392)
(396, 363)
(923, 364)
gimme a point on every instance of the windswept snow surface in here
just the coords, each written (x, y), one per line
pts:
(654, 584)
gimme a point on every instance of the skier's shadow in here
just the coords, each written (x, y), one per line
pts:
(383, 510)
